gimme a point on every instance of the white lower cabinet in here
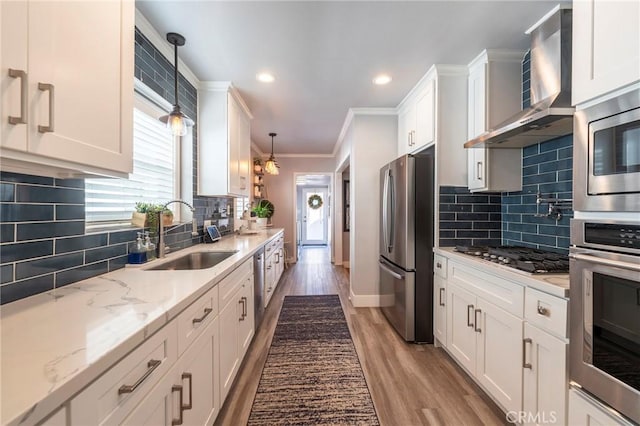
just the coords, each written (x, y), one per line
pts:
(485, 340)
(236, 331)
(545, 377)
(273, 267)
(511, 340)
(58, 418)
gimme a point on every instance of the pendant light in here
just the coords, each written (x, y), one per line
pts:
(271, 166)
(176, 121)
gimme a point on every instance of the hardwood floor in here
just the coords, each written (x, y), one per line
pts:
(410, 384)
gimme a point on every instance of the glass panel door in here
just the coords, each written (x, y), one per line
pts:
(314, 216)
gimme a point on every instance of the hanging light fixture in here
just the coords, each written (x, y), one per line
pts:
(271, 166)
(176, 121)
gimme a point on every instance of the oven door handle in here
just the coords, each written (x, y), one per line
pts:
(607, 262)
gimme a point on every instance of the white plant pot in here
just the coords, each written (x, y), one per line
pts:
(261, 222)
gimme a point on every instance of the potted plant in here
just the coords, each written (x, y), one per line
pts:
(264, 210)
(146, 215)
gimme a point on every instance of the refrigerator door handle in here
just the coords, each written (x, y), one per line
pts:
(385, 209)
(392, 197)
(390, 271)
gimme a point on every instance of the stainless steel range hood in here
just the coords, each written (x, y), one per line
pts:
(551, 114)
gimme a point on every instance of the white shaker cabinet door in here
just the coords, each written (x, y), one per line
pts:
(461, 337)
(498, 366)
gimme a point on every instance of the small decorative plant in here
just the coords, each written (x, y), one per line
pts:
(146, 215)
(264, 209)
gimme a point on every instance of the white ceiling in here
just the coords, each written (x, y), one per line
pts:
(324, 54)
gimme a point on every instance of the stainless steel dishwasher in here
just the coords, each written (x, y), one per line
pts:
(258, 286)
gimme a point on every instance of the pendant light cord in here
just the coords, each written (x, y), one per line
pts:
(175, 72)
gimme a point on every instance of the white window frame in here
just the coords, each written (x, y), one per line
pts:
(152, 104)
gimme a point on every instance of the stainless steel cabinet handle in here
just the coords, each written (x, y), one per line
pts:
(475, 318)
(152, 365)
(188, 376)
(243, 182)
(207, 311)
(409, 138)
(439, 265)
(543, 311)
(469, 310)
(241, 301)
(525, 364)
(46, 87)
(23, 96)
(441, 294)
(479, 170)
(244, 306)
(178, 422)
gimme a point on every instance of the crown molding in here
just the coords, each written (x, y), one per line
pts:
(349, 118)
(257, 149)
(303, 155)
(164, 47)
(226, 86)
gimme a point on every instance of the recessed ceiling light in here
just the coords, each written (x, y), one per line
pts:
(382, 79)
(265, 77)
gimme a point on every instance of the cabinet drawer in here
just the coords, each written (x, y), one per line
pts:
(271, 248)
(232, 282)
(440, 265)
(196, 317)
(499, 291)
(546, 311)
(110, 398)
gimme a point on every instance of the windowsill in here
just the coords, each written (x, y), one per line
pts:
(99, 228)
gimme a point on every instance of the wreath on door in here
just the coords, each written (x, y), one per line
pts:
(315, 201)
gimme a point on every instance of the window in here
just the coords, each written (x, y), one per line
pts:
(156, 171)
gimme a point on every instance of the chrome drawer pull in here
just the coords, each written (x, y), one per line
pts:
(23, 96)
(441, 293)
(475, 318)
(207, 311)
(543, 311)
(243, 309)
(244, 306)
(46, 87)
(469, 309)
(152, 365)
(178, 422)
(188, 406)
(439, 265)
(525, 364)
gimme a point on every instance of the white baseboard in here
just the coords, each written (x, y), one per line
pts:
(365, 300)
(290, 260)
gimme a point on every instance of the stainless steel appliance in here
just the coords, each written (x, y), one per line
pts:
(605, 313)
(550, 114)
(523, 259)
(406, 245)
(258, 286)
(607, 155)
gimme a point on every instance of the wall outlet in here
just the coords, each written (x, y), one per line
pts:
(207, 223)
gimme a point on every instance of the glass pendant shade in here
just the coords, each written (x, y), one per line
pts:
(176, 121)
(271, 166)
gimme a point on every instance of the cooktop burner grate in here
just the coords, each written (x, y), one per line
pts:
(526, 259)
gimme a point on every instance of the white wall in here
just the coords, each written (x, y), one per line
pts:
(280, 189)
(373, 141)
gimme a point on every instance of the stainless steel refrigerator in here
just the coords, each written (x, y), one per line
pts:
(406, 245)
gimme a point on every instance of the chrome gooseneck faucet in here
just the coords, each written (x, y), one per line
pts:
(162, 249)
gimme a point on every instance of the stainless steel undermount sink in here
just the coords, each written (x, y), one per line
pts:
(195, 260)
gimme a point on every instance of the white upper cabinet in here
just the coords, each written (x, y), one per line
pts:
(606, 47)
(224, 142)
(431, 115)
(494, 94)
(67, 87)
(416, 125)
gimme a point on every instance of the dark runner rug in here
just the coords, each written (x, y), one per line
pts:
(312, 375)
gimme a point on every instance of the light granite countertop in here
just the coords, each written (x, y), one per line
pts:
(555, 284)
(55, 343)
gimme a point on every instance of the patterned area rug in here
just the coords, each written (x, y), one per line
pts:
(312, 375)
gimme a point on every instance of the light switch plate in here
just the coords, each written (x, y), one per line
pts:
(207, 223)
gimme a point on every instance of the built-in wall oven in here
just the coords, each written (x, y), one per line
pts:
(605, 312)
(607, 155)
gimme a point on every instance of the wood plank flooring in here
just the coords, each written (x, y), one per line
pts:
(410, 384)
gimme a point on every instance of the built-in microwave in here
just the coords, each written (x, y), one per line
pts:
(607, 155)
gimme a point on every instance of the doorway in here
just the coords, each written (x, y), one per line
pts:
(313, 216)
(315, 223)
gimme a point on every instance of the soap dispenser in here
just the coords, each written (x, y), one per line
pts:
(137, 252)
(150, 247)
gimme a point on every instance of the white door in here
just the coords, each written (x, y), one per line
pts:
(314, 216)
(545, 376)
(499, 362)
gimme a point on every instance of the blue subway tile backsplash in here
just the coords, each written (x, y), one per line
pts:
(43, 242)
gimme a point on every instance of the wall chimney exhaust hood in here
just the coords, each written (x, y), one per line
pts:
(550, 114)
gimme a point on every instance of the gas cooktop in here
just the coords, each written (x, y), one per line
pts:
(530, 260)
